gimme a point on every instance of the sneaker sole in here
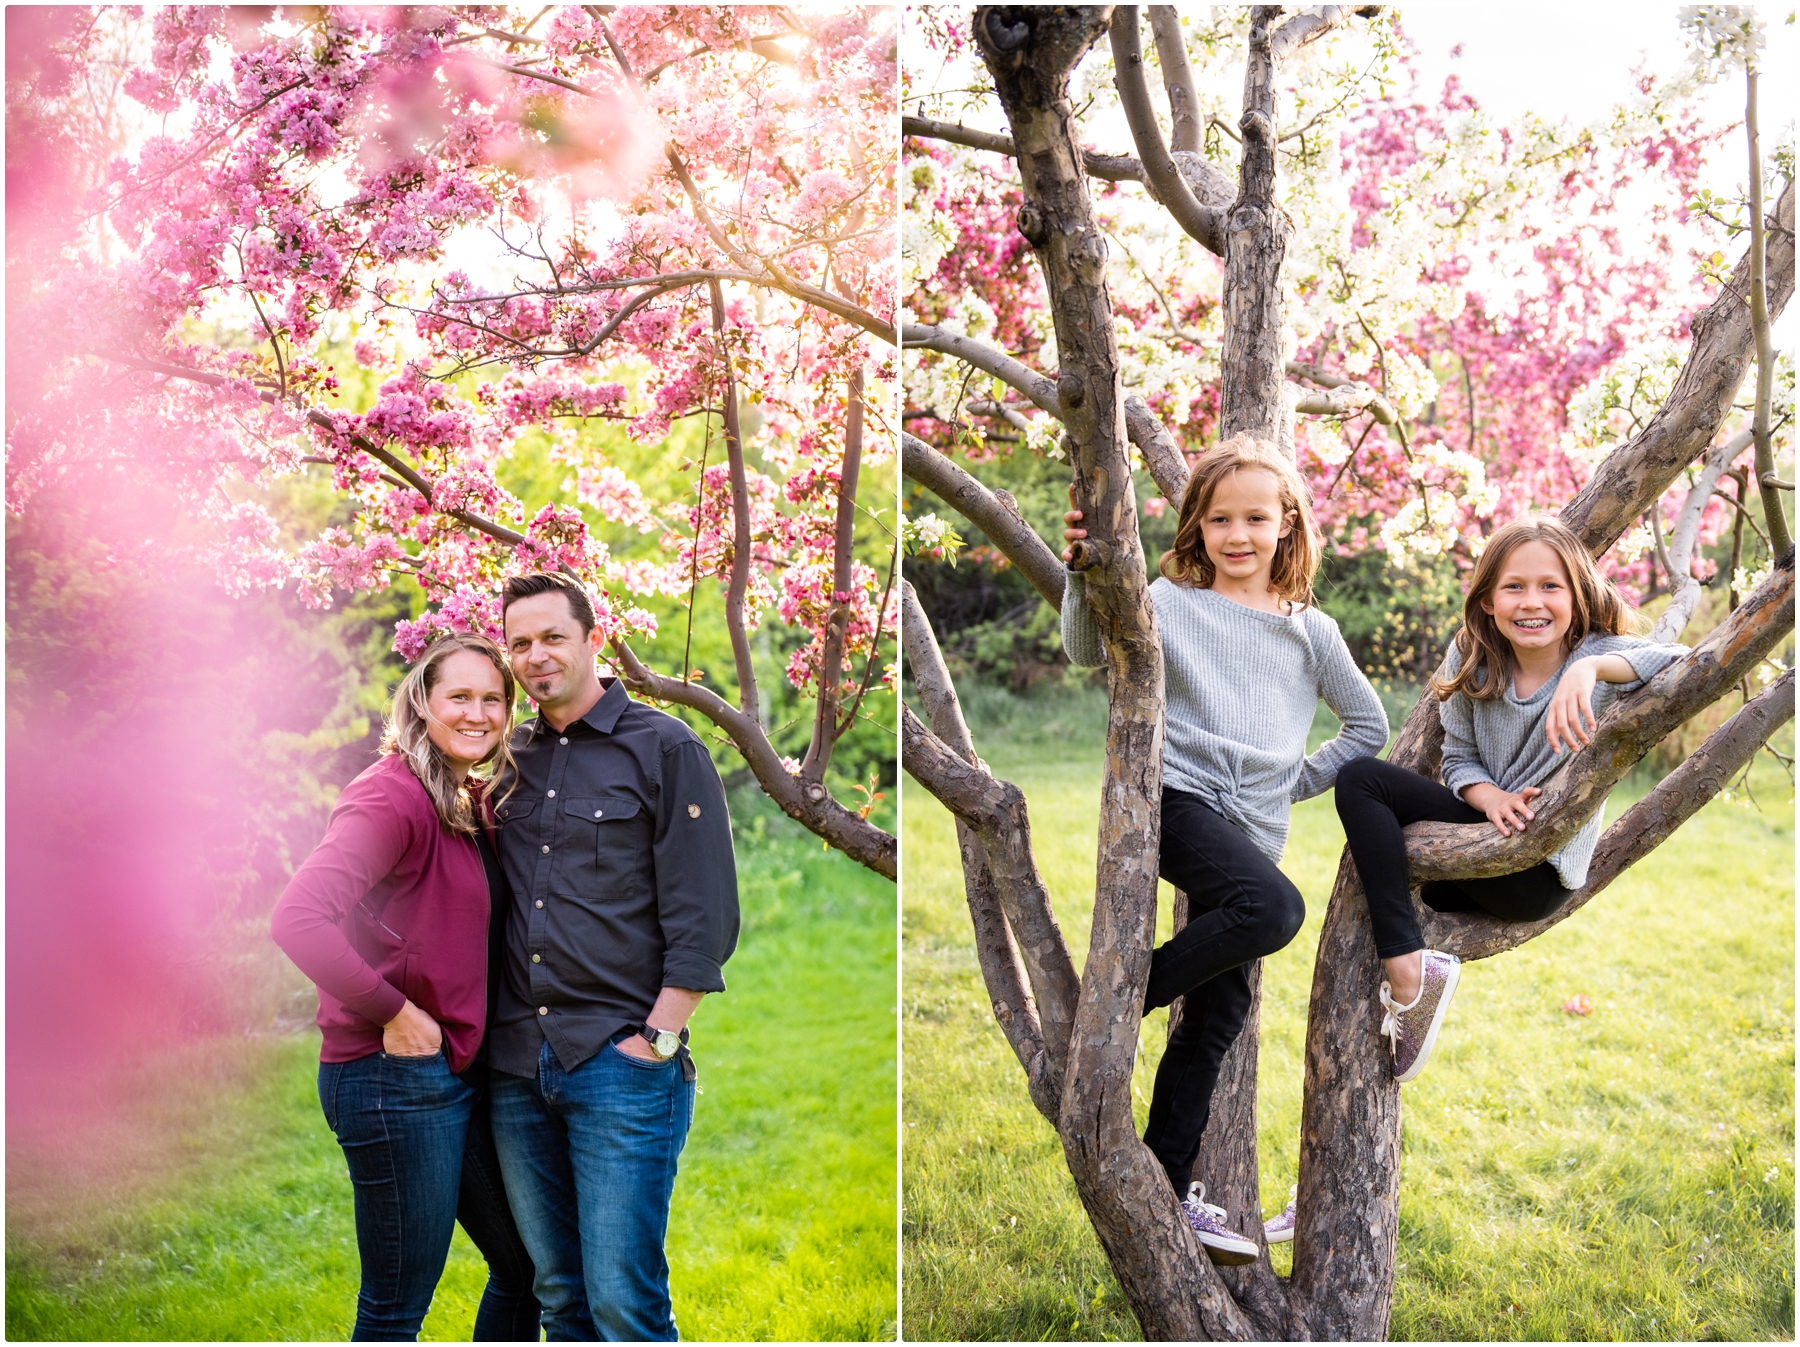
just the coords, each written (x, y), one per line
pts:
(1234, 1254)
(1437, 1022)
(1279, 1236)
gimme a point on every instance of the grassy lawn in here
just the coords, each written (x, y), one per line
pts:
(1628, 1175)
(212, 1203)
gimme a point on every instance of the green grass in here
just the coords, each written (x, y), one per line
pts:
(1628, 1175)
(211, 1202)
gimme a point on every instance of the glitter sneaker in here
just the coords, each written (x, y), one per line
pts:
(1412, 1030)
(1221, 1244)
(1280, 1229)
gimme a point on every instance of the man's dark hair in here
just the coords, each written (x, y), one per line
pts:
(549, 582)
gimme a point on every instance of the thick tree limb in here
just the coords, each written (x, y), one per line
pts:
(1631, 728)
(996, 810)
(1178, 79)
(1256, 231)
(1165, 181)
(1724, 342)
(1639, 830)
(1005, 528)
(1112, 167)
(1002, 969)
(1309, 26)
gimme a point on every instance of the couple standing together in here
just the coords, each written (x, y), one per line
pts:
(506, 968)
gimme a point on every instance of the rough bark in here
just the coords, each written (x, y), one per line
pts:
(1256, 233)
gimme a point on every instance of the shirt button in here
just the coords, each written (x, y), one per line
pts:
(540, 902)
(552, 794)
(597, 813)
(537, 958)
(563, 740)
(543, 1010)
(546, 851)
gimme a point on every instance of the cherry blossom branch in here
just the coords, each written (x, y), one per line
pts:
(831, 658)
(740, 512)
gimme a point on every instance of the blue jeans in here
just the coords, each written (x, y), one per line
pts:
(589, 1157)
(421, 1156)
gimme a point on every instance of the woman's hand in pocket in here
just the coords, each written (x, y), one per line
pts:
(411, 1033)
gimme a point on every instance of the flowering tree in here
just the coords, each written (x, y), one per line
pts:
(517, 225)
(1345, 291)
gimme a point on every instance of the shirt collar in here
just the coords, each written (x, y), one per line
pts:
(602, 715)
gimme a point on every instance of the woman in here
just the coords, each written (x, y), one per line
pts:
(390, 916)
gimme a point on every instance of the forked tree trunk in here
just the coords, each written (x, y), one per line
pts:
(1077, 1045)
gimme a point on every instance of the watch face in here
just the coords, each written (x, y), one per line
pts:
(666, 1043)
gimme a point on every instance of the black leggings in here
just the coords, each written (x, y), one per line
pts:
(1376, 799)
(1240, 907)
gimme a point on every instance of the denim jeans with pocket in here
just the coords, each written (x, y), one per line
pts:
(589, 1157)
(421, 1158)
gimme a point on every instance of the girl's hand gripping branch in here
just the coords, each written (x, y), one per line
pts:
(1507, 811)
(1072, 534)
(1570, 722)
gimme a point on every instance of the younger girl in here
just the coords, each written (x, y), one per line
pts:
(1246, 657)
(1541, 627)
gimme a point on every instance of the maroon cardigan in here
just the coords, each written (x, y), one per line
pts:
(390, 908)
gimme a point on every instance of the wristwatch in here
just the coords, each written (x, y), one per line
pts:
(662, 1042)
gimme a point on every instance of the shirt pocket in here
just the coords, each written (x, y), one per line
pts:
(608, 837)
(515, 810)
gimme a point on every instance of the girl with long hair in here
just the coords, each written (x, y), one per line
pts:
(1246, 657)
(394, 916)
(1545, 647)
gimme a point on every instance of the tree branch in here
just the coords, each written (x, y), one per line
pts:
(1165, 181)
(1678, 561)
(1002, 968)
(1724, 341)
(1774, 511)
(1111, 167)
(831, 658)
(740, 521)
(1005, 528)
(1178, 79)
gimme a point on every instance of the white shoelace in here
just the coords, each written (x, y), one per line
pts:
(1197, 1195)
(1390, 1022)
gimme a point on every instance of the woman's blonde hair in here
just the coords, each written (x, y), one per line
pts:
(1296, 556)
(409, 734)
(1595, 606)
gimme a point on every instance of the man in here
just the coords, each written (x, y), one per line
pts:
(617, 846)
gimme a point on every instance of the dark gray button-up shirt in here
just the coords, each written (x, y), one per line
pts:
(617, 845)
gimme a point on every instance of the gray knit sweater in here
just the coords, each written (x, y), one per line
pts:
(1503, 741)
(1241, 686)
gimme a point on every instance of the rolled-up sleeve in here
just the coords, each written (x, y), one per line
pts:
(696, 873)
(365, 839)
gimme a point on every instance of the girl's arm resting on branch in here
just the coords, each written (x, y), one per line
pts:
(1506, 810)
(1573, 715)
(1354, 702)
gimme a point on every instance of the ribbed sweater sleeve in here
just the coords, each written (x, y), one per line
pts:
(1351, 699)
(1081, 638)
